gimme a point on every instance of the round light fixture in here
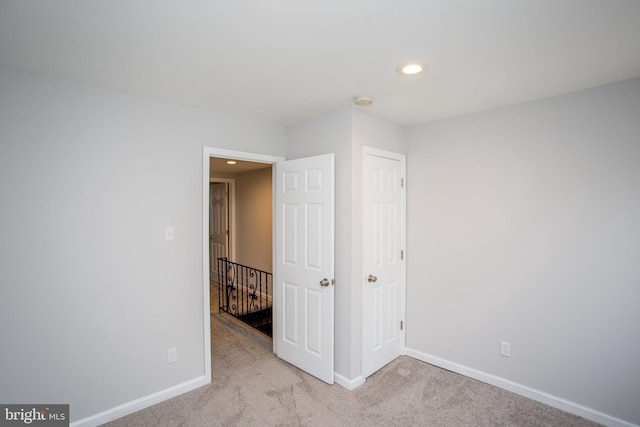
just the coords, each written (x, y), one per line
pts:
(231, 162)
(363, 101)
(411, 69)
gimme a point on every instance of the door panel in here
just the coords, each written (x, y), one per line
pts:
(303, 334)
(314, 313)
(290, 313)
(383, 303)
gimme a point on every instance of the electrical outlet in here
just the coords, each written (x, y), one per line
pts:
(505, 349)
(173, 355)
(168, 234)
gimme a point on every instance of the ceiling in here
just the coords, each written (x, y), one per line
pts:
(220, 166)
(284, 61)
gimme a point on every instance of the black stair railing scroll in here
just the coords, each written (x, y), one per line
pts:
(245, 293)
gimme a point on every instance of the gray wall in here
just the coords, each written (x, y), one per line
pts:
(92, 297)
(524, 227)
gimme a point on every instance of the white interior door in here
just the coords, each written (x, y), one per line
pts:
(303, 289)
(383, 259)
(218, 225)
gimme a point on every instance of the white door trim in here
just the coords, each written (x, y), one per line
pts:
(403, 242)
(207, 153)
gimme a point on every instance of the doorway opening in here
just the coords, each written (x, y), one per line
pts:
(240, 240)
(303, 236)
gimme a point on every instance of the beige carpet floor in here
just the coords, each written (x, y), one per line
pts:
(252, 387)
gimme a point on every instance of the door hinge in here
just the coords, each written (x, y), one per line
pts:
(402, 182)
(402, 254)
(401, 325)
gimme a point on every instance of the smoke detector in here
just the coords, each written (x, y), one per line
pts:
(363, 101)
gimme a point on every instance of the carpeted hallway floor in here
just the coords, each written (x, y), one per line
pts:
(252, 387)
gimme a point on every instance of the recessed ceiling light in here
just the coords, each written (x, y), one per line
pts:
(231, 162)
(411, 69)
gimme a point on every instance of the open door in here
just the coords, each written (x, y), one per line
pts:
(304, 266)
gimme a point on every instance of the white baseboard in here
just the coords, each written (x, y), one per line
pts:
(522, 390)
(138, 404)
(347, 383)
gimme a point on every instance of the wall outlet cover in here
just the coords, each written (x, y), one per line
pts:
(505, 349)
(173, 355)
(169, 234)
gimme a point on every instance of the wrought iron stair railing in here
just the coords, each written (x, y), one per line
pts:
(245, 293)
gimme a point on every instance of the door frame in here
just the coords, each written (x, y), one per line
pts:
(402, 158)
(207, 153)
